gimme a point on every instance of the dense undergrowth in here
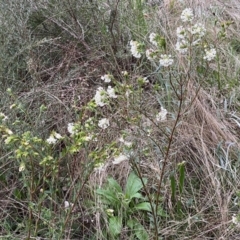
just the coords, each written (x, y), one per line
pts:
(119, 119)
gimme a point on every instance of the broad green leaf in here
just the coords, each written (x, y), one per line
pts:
(138, 229)
(134, 184)
(108, 197)
(161, 212)
(115, 225)
(143, 206)
(113, 184)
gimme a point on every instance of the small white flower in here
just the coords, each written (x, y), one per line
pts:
(51, 140)
(126, 143)
(3, 117)
(104, 123)
(124, 73)
(71, 128)
(99, 166)
(151, 54)
(110, 212)
(128, 92)
(67, 204)
(235, 220)
(111, 92)
(107, 78)
(210, 54)
(145, 80)
(181, 32)
(181, 46)
(166, 60)
(152, 38)
(120, 159)
(195, 42)
(135, 49)
(187, 15)
(57, 135)
(22, 167)
(8, 131)
(88, 137)
(162, 115)
(100, 97)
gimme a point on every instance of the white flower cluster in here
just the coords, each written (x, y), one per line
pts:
(187, 15)
(71, 128)
(53, 138)
(210, 54)
(151, 54)
(103, 123)
(135, 49)
(162, 115)
(101, 95)
(107, 78)
(166, 60)
(153, 38)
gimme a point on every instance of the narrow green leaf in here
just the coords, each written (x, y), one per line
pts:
(181, 176)
(173, 186)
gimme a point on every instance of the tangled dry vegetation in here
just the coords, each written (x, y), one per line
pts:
(53, 55)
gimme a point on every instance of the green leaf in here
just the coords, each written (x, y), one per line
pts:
(115, 225)
(138, 229)
(173, 186)
(181, 176)
(161, 212)
(110, 192)
(134, 184)
(143, 206)
(108, 196)
(113, 184)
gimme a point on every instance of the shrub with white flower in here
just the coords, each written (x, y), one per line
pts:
(166, 60)
(107, 78)
(135, 49)
(111, 92)
(210, 54)
(100, 97)
(162, 115)
(103, 123)
(187, 15)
